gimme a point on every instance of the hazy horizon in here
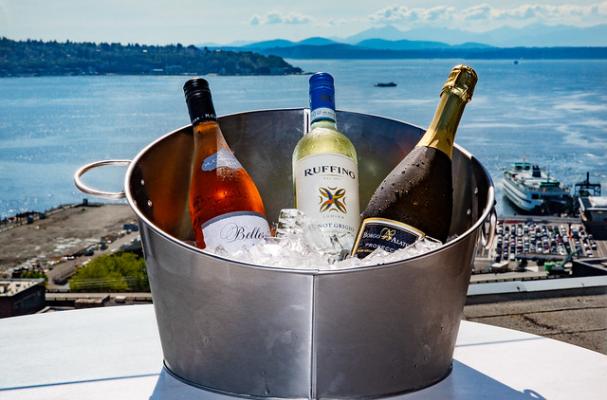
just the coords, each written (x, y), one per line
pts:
(495, 37)
(194, 22)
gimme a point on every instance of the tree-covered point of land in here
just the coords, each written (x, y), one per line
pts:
(38, 58)
(120, 272)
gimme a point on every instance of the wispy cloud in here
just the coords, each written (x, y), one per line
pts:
(274, 18)
(406, 14)
(484, 13)
(480, 12)
(342, 21)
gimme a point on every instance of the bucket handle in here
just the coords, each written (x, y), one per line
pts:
(489, 228)
(95, 192)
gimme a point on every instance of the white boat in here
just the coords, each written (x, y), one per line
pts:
(532, 190)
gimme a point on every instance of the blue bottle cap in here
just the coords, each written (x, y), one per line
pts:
(321, 79)
(322, 97)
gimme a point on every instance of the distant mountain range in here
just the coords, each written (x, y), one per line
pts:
(390, 42)
(346, 51)
(537, 35)
(268, 44)
(374, 43)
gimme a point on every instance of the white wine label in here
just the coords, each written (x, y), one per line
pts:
(223, 158)
(326, 187)
(235, 230)
(322, 113)
(386, 234)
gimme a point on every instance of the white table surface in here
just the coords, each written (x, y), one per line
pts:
(114, 353)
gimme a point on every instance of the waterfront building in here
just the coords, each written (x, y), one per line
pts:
(21, 296)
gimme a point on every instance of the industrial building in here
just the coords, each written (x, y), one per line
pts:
(21, 296)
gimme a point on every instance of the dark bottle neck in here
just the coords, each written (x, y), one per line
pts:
(200, 107)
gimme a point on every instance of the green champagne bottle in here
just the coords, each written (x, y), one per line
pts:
(416, 198)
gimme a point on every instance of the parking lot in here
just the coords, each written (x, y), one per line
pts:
(552, 239)
(523, 245)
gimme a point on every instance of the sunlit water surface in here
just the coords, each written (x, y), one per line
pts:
(553, 113)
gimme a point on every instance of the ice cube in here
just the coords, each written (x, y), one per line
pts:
(311, 240)
(381, 256)
(301, 243)
(290, 222)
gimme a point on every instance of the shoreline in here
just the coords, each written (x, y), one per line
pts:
(146, 74)
(62, 233)
(29, 216)
(20, 218)
(303, 73)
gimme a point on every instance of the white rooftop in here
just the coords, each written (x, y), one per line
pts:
(115, 353)
(10, 287)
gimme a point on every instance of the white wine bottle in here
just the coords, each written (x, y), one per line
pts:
(325, 167)
(416, 198)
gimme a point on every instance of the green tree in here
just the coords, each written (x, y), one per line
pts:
(38, 58)
(34, 274)
(118, 272)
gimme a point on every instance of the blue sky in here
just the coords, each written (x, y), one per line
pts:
(189, 21)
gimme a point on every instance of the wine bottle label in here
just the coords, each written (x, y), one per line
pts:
(326, 187)
(223, 158)
(386, 234)
(235, 230)
(322, 113)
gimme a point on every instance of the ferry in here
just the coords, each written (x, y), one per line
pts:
(532, 190)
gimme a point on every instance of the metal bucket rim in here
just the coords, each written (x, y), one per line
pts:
(303, 271)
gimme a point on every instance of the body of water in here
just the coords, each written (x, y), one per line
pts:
(553, 113)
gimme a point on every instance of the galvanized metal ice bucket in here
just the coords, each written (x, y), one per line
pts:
(264, 332)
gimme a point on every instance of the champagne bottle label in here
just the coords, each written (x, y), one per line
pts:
(386, 234)
(235, 230)
(327, 191)
(223, 158)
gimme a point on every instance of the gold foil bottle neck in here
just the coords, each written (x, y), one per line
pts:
(461, 82)
(457, 91)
